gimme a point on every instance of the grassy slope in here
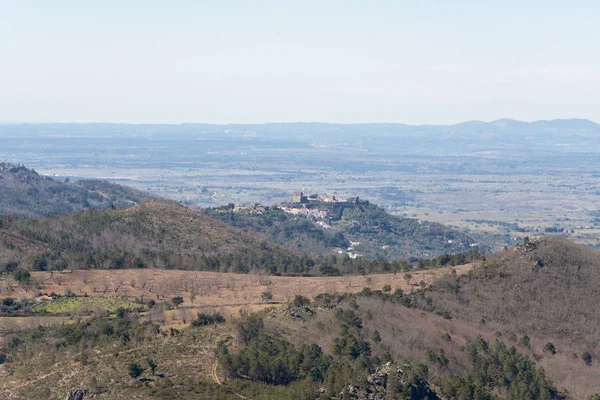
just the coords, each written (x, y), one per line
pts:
(210, 288)
(551, 286)
(408, 334)
(44, 372)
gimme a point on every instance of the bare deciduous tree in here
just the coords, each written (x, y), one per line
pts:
(184, 314)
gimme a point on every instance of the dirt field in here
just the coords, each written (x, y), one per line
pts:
(212, 289)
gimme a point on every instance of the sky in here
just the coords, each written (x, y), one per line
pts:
(409, 61)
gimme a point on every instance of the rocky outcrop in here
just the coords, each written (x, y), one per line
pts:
(390, 379)
(77, 394)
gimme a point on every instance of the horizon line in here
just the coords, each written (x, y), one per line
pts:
(8, 122)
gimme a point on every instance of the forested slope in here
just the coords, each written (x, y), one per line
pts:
(153, 234)
(26, 193)
(381, 236)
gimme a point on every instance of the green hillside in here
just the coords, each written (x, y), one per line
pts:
(380, 235)
(296, 233)
(154, 234)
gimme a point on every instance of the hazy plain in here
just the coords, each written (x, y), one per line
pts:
(500, 187)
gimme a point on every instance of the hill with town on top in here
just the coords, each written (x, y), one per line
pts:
(357, 228)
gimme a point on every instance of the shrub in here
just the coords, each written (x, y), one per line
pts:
(276, 361)
(376, 337)
(347, 318)
(550, 348)
(203, 319)
(267, 296)
(350, 345)
(587, 358)
(10, 266)
(495, 367)
(39, 263)
(177, 301)
(249, 327)
(135, 370)
(22, 276)
(525, 341)
(301, 301)
(152, 364)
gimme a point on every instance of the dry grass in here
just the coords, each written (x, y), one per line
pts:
(51, 375)
(18, 323)
(407, 333)
(213, 289)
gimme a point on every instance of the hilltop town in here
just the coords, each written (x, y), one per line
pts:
(304, 206)
(323, 224)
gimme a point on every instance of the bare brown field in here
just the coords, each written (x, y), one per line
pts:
(212, 289)
(17, 323)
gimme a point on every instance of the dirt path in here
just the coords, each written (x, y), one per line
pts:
(213, 373)
(215, 378)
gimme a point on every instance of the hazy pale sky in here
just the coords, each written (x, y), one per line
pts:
(414, 61)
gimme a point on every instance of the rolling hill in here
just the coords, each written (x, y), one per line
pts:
(548, 286)
(521, 324)
(361, 229)
(24, 192)
(153, 234)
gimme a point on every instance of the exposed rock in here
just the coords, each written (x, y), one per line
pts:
(377, 385)
(77, 394)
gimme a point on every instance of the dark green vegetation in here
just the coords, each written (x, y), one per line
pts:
(24, 192)
(290, 231)
(496, 367)
(153, 234)
(381, 235)
(203, 319)
(347, 372)
(162, 234)
(356, 365)
(520, 326)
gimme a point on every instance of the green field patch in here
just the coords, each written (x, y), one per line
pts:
(65, 305)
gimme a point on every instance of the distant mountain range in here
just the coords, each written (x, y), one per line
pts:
(504, 134)
(505, 125)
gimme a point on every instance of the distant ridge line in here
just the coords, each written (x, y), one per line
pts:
(560, 121)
